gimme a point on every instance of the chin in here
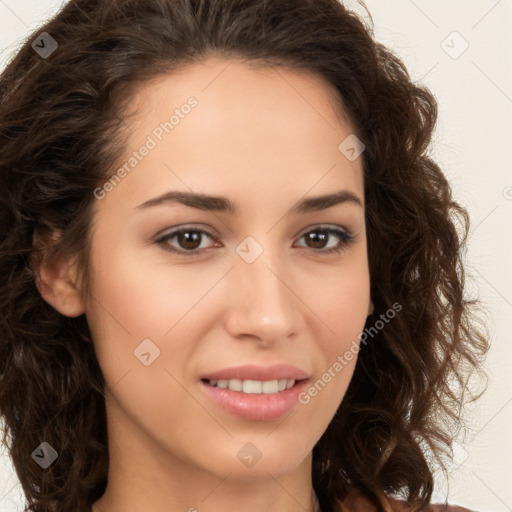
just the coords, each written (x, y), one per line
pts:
(261, 466)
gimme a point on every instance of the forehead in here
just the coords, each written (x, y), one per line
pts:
(249, 128)
(217, 79)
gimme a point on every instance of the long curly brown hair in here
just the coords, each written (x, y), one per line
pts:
(62, 130)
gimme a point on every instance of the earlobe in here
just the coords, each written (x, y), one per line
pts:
(56, 280)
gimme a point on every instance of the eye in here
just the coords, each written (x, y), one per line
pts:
(320, 235)
(189, 240)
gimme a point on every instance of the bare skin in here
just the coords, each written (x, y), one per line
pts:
(266, 140)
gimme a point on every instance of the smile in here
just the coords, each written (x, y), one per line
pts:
(267, 387)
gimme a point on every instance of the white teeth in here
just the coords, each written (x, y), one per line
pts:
(252, 386)
(235, 385)
(267, 387)
(270, 386)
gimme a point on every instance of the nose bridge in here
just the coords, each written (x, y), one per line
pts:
(262, 302)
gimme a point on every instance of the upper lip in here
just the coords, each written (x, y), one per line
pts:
(263, 373)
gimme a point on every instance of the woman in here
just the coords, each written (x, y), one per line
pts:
(231, 276)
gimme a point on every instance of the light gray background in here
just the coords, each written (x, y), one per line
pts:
(473, 145)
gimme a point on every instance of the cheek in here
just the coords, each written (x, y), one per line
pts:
(343, 307)
(343, 301)
(129, 296)
(140, 307)
(125, 308)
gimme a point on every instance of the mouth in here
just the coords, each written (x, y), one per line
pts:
(254, 400)
(266, 387)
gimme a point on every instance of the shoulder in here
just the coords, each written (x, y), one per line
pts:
(398, 505)
(357, 502)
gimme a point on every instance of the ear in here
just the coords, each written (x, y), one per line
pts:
(56, 280)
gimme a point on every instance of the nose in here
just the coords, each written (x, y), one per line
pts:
(264, 302)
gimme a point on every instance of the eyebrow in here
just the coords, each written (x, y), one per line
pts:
(223, 204)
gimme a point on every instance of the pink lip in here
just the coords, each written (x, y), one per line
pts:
(252, 372)
(254, 406)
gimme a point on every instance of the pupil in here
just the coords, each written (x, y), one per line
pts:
(186, 238)
(315, 238)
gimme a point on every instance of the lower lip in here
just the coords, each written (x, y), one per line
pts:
(255, 406)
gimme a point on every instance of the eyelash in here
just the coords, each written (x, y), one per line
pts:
(347, 239)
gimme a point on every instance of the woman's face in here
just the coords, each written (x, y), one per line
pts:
(256, 286)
